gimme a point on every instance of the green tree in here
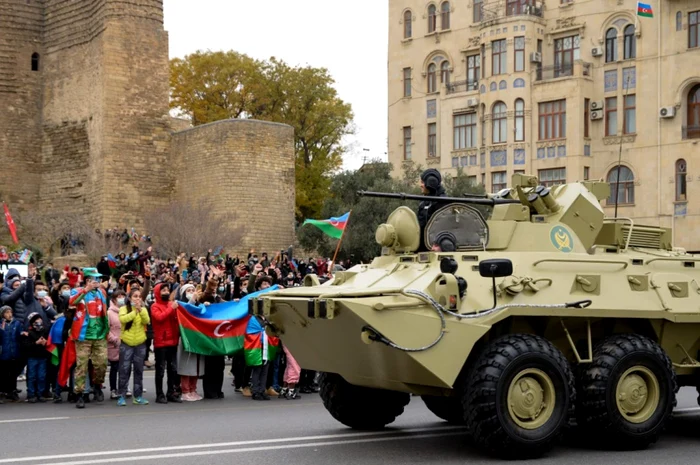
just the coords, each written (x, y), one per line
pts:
(368, 213)
(210, 86)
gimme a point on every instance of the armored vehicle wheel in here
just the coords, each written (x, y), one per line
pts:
(360, 407)
(448, 408)
(518, 396)
(627, 394)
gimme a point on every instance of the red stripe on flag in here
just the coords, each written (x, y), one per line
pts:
(213, 328)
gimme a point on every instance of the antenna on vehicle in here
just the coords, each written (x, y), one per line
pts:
(619, 155)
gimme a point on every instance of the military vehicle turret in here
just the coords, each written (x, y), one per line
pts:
(546, 311)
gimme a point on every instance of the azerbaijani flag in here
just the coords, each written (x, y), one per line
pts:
(111, 261)
(216, 329)
(53, 350)
(333, 227)
(259, 346)
(645, 10)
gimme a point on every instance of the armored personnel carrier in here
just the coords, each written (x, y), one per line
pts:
(546, 312)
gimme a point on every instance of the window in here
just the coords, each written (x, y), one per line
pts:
(693, 129)
(681, 186)
(483, 60)
(432, 18)
(586, 173)
(407, 82)
(586, 116)
(498, 181)
(520, 54)
(407, 24)
(464, 131)
(445, 15)
(630, 42)
(478, 10)
(552, 123)
(611, 45)
(498, 57)
(471, 180)
(482, 120)
(538, 66)
(483, 179)
(432, 79)
(693, 29)
(630, 115)
(500, 124)
(566, 51)
(35, 62)
(432, 140)
(407, 144)
(624, 189)
(473, 71)
(611, 116)
(519, 120)
(517, 7)
(445, 72)
(679, 21)
(552, 177)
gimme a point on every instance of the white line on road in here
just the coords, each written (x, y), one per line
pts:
(25, 420)
(405, 434)
(253, 449)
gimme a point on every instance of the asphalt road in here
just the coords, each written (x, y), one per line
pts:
(239, 430)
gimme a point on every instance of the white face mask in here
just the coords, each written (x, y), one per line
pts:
(121, 302)
(42, 294)
(65, 293)
(189, 295)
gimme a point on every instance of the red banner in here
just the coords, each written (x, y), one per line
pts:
(10, 223)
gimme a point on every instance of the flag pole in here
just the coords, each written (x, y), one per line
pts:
(340, 241)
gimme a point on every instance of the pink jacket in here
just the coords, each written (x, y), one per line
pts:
(115, 329)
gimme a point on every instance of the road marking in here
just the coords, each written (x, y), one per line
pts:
(407, 434)
(26, 420)
(254, 449)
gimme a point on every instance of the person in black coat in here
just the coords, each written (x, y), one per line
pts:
(431, 185)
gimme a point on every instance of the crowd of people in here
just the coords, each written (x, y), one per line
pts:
(63, 330)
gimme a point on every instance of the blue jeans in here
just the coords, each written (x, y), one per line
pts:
(276, 372)
(36, 377)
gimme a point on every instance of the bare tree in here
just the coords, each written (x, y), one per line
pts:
(184, 227)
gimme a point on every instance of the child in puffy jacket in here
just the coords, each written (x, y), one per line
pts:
(117, 300)
(34, 342)
(10, 330)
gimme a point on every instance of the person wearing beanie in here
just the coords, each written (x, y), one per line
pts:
(34, 341)
(10, 330)
(431, 185)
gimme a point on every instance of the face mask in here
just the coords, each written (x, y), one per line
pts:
(42, 294)
(65, 294)
(121, 302)
(38, 325)
(165, 296)
(221, 288)
(189, 295)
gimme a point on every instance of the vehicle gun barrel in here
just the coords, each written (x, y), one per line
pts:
(467, 200)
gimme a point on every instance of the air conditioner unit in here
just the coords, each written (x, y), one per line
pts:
(597, 105)
(536, 57)
(667, 112)
(472, 102)
(597, 52)
(597, 114)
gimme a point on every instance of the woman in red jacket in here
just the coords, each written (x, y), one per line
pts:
(166, 335)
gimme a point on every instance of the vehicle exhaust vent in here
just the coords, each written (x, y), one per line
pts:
(647, 237)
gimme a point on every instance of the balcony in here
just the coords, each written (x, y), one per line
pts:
(578, 69)
(493, 11)
(462, 86)
(691, 132)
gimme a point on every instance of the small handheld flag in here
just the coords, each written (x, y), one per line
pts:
(645, 10)
(333, 227)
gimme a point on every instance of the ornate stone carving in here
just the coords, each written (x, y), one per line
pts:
(474, 42)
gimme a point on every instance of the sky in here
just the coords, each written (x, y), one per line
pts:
(350, 41)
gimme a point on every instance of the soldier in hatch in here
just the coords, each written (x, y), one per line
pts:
(431, 185)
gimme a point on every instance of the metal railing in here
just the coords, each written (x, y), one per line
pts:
(462, 86)
(577, 69)
(493, 10)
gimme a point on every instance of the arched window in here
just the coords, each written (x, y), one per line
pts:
(445, 72)
(432, 18)
(519, 120)
(624, 189)
(445, 15)
(407, 24)
(630, 42)
(499, 128)
(693, 128)
(432, 78)
(681, 186)
(611, 45)
(35, 62)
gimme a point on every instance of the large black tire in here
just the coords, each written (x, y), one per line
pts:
(448, 408)
(597, 411)
(360, 407)
(509, 365)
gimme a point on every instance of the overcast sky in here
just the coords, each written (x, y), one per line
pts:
(350, 39)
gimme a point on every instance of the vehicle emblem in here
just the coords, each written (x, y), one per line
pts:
(561, 239)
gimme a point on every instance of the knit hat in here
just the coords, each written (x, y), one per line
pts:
(431, 178)
(5, 308)
(185, 288)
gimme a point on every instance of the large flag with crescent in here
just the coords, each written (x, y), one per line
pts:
(222, 329)
(333, 227)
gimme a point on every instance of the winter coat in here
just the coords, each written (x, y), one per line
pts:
(16, 298)
(189, 364)
(166, 328)
(10, 340)
(114, 335)
(426, 209)
(30, 348)
(34, 306)
(139, 319)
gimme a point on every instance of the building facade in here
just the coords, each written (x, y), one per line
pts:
(560, 89)
(84, 125)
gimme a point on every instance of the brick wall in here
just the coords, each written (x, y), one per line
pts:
(247, 167)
